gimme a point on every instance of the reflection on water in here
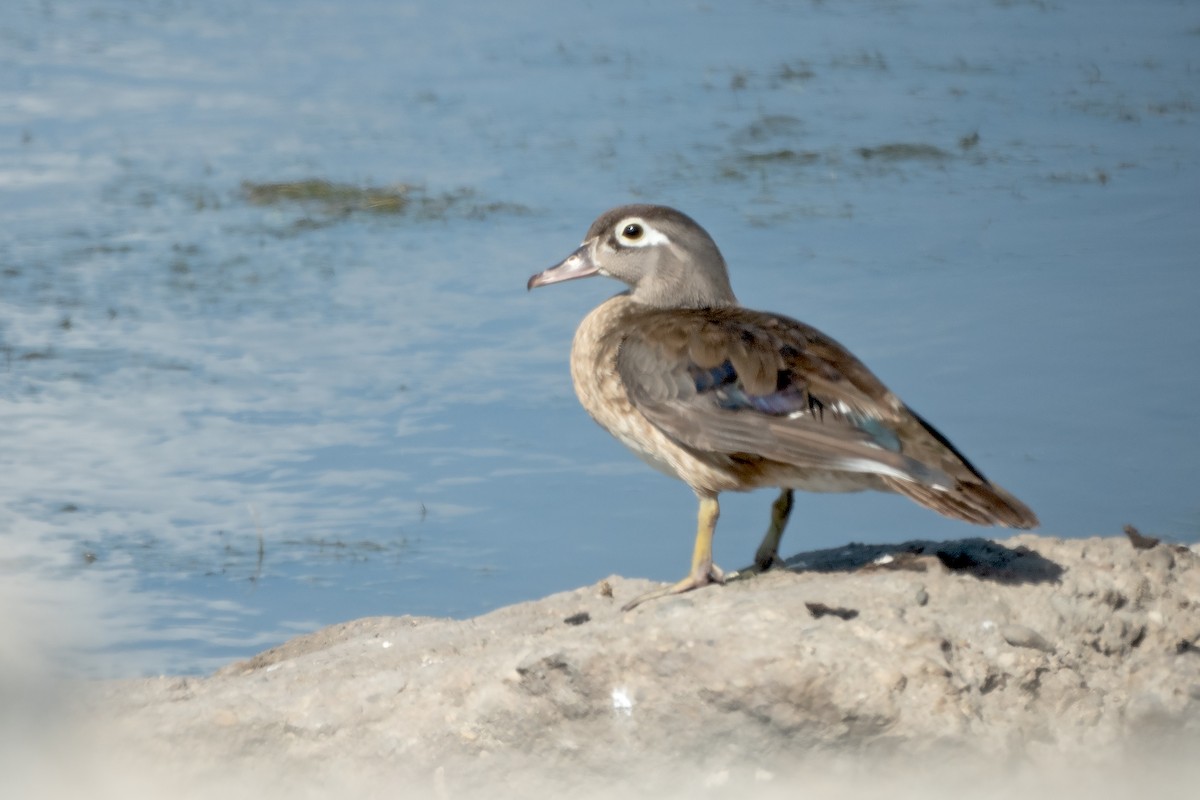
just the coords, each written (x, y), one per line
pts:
(229, 421)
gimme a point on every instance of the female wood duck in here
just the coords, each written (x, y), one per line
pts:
(730, 399)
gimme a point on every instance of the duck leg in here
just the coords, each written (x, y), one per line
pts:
(704, 571)
(767, 555)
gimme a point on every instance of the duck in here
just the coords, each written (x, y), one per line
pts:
(726, 398)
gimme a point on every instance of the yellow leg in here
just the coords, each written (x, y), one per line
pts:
(703, 571)
(767, 554)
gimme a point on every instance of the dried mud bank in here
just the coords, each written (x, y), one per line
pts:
(934, 659)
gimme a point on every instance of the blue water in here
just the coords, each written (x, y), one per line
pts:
(224, 424)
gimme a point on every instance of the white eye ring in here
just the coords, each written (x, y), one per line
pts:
(634, 232)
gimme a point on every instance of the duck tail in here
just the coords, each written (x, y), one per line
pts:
(981, 503)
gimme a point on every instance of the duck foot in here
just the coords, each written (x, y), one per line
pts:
(767, 555)
(766, 561)
(711, 573)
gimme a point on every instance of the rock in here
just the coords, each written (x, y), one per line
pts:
(1020, 636)
(1031, 650)
(1138, 540)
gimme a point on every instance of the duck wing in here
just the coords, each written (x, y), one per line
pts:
(746, 383)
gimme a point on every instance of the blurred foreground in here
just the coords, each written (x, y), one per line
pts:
(959, 669)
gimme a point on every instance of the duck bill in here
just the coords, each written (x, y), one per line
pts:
(577, 265)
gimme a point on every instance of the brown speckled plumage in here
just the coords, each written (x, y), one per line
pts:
(727, 398)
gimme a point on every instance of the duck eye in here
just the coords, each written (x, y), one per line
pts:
(632, 231)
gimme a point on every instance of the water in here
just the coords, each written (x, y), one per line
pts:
(226, 423)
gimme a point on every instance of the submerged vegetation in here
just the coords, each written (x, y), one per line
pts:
(334, 198)
(904, 151)
(783, 156)
(342, 199)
